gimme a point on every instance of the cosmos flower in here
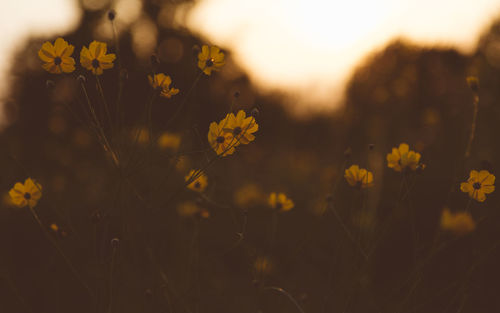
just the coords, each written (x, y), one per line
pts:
(402, 157)
(358, 177)
(210, 59)
(199, 184)
(241, 127)
(169, 140)
(162, 83)
(57, 57)
(222, 142)
(95, 59)
(479, 184)
(280, 202)
(459, 223)
(26, 194)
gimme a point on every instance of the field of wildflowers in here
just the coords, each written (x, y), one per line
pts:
(148, 185)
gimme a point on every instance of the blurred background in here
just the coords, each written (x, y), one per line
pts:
(336, 83)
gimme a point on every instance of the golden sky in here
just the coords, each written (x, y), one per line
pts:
(304, 48)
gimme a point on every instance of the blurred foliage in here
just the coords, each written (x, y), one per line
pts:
(165, 262)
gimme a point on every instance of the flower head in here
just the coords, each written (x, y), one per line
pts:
(95, 59)
(199, 183)
(280, 202)
(57, 57)
(222, 142)
(479, 184)
(26, 194)
(162, 83)
(210, 59)
(402, 158)
(358, 177)
(241, 127)
(458, 223)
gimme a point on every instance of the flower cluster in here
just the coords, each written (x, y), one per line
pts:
(232, 131)
(402, 158)
(161, 82)
(57, 57)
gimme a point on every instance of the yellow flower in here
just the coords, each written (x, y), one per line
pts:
(27, 194)
(263, 265)
(280, 202)
(241, 127)
(248, 195)
(57, 57)
(199, 184)
(403, 157)
(191, 209)
(458, 223)
(95, 58)
(169, 141)
(162, 82)
(222, 142)
(210, 59)
(358, 177)
(479, 184)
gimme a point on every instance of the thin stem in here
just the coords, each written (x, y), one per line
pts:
(285, 293)
(473, 127)
(111, 272)
(63, 255)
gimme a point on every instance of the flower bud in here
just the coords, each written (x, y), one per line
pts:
(255, 112)
(81, 79)
(111, 15)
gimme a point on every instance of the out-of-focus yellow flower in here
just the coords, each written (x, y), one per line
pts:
(263, 265)
(162, 82)
(222, 142)
(26, 194)
(358, 177)
(95, 59)
(54, 227)
(460, 223)
(169, 141)
(199, 184)
(241, 127)
(248, 195)
(280, 202)
(479, 184)
(210, 59)
(191, 209)
(402, 157)
(57, 57)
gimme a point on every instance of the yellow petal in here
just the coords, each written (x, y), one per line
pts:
(466, 187)
(403, 148)
(488, 188)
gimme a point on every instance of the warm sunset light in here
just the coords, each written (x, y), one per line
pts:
(309, 48)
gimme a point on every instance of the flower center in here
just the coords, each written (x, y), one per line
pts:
(197, 185)
(476, 185)
(237, 131)
(57, 60)
(279, 205)
(220, 139)
(95, 63)
(27, 196)
(210, 62)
